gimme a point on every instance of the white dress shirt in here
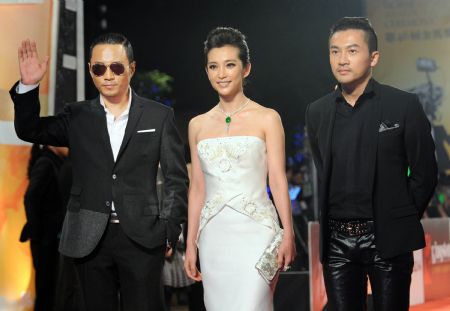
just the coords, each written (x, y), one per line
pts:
(116, 126)
(116, 131)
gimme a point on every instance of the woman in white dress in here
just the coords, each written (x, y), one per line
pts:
(234, 147)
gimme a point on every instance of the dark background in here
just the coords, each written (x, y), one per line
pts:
(287, 41)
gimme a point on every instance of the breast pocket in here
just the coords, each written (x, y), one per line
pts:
(146, 141)
(145, 135)
(391, 141)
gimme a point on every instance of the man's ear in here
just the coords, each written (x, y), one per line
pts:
(89, 69)
(374, 58)
(132, 68)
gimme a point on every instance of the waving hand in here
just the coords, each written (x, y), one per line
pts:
(32, 70)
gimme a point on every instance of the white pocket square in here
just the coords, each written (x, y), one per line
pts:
(387, 126)
(146, 131)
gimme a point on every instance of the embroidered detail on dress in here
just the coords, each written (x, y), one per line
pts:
(261, 211)
(218, 150)
(211, 208)
(250, 208)
(224, 165)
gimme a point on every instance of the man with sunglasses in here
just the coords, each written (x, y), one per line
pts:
(114, 227)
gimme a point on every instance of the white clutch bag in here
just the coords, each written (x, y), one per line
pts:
(267, 264)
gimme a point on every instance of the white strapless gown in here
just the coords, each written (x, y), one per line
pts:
(237, 223)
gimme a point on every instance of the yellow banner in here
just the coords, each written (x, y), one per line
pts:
(17, 22)
(414, 43)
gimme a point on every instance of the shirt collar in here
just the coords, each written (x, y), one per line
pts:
(126, 111)
(368, 91)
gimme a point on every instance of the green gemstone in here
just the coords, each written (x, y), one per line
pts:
(228, 119)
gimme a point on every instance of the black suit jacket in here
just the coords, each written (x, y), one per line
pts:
(130, 181)
(398, 200)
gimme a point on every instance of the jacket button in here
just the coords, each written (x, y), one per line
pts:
(107, 203)
(114, 176)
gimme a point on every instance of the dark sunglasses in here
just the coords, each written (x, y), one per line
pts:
(100, 69)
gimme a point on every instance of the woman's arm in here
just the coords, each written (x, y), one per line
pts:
(278, 184)
(196, 199)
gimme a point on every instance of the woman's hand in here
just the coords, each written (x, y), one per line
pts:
(286, 252)
(190, 263)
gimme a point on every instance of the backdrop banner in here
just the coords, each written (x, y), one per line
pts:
(414, 44)
(318, 296)
(18, 20)
(436, 259)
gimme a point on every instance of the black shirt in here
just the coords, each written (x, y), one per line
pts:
(350, 196)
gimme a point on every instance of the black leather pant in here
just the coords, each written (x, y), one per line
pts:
(351, 260)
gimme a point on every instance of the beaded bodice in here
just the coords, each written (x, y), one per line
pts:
(235, 172)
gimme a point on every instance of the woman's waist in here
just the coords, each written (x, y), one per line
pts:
(236, 186)
(252, 204)
(255, 195)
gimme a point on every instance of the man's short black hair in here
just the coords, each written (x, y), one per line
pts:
(113, 38)
(360, 23)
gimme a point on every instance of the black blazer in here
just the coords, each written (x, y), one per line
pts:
(398, 200)
(130, 181)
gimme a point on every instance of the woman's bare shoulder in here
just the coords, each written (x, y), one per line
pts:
(267, 114)
(201, 118)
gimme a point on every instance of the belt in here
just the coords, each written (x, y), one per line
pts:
(351, 227)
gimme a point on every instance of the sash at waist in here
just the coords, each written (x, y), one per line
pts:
(260, 210)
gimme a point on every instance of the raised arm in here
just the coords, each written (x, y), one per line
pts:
(52, 130)
(278, 184)
(195, 205)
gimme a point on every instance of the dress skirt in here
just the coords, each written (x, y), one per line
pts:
(229, 247)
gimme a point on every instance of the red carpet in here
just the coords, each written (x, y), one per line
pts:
(435, 305)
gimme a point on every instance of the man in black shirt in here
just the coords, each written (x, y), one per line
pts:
(365, 138)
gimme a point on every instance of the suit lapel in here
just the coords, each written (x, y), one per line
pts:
(100, 114)
(374, 124)
(328, 132)
(133, 118)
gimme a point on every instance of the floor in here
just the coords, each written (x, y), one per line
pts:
(436, 305)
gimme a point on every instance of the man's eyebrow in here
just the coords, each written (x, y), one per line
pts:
(347, 46)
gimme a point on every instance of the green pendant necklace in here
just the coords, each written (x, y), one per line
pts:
(229, 115)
